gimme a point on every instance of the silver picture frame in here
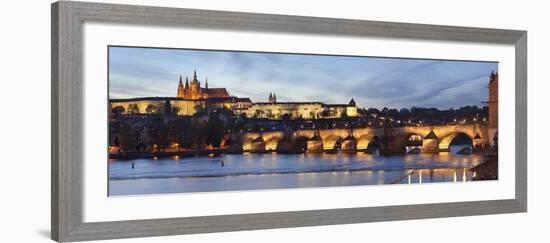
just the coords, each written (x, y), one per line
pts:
(67, 119)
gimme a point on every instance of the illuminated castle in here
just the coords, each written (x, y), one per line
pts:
(191, 97)
(194, 91)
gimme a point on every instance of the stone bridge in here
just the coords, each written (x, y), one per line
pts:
(390, 140)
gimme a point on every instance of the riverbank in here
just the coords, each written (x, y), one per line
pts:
(153, 155)
(488, 170)
(217, 152)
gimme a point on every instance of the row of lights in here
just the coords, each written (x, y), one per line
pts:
(370, 124)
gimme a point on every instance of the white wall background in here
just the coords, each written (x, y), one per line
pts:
(25, 120)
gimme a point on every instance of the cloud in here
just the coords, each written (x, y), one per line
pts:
(373, 82)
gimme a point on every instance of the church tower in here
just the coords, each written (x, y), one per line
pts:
(195, 87)
(181, 91)
(272, 98)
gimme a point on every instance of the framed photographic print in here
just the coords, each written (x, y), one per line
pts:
(178, 121)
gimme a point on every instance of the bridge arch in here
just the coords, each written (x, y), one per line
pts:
(315, 144)
(332, 142)
(257, 145)
(247, 144)
(401, 141)
(364, 140)
(272, 143)
(292, 144)
(445, 143)
(348, 144)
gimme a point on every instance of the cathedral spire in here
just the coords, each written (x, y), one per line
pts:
(195, 75)
(181, 92)
(206, 83)
(186, 82)
(274, 98)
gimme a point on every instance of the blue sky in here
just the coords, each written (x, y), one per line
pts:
(372, 82)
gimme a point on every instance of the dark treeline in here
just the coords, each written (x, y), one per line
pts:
(159, 132)
(428, 114)
(206, 129)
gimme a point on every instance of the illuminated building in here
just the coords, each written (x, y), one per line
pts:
(191, 96)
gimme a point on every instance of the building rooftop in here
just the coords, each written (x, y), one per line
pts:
(229, 99)
(214, 99)
(145, 98)
(216, 92)
(336, 105)
(289, 103)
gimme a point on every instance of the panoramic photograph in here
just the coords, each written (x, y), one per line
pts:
(187, 121)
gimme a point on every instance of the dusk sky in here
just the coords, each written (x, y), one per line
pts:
(372, 82)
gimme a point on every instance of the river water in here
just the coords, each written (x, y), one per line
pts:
(231, 172)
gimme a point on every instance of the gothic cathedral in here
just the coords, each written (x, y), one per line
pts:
(193, 90)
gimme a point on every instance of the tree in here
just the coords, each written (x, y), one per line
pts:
(226, 112)
(158, 132)
(326, 113)
(287, 117)
(177, 130)
(118, 110)
(344, 114)
(393, 113)
(259, 113)
(175, 110)
(127, 137)
(404, 114)
(133, 109)
(152, 109)
(196, 133)
(214, 130)
(199, 110)
(116, 142)
(373, 112)
(384, 111)
(167, 108)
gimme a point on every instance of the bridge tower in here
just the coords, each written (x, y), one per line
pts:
(493, 109)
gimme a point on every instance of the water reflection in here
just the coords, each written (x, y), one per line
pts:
(435, 175)
(272, 170)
